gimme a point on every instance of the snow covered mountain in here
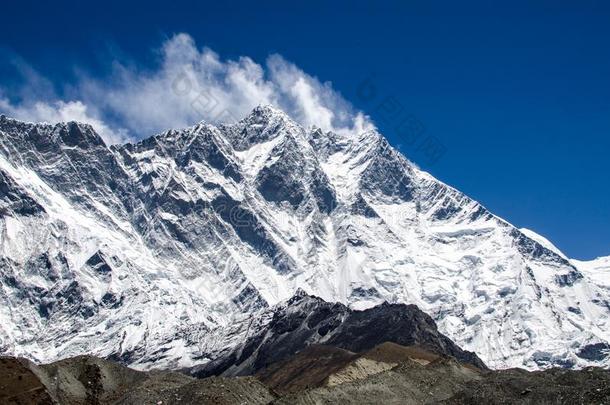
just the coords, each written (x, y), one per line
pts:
(168, 251)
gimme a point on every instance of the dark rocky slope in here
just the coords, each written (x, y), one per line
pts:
(305, 320)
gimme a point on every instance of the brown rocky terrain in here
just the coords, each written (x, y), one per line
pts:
(319, 365)
(19, 385)
(386, 374)
(86, 380)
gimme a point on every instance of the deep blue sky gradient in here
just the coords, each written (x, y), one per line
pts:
(518, 93)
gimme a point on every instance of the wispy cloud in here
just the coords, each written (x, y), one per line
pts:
(188, 85)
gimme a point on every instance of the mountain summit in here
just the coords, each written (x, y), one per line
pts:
(160, 252)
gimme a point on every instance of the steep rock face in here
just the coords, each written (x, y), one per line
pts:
(304, 320)
(15, 201)
(161, 251)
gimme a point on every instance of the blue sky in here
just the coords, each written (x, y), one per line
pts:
(517, 96)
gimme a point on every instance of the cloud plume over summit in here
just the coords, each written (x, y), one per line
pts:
(187, 85)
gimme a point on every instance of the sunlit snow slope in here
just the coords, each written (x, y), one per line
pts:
(158, 253)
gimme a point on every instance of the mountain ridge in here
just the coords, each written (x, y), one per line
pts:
(204, 226)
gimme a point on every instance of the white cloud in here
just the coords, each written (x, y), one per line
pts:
(189, 85)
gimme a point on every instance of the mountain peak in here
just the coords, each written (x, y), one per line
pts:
(263, 114)
(262, 124)
(268, 109)
(267, 113)
(79, 134)
(301, 296)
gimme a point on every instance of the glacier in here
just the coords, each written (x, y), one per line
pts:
(165, 252)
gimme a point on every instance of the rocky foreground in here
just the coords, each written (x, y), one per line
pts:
(387, 374)
(309, 351)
